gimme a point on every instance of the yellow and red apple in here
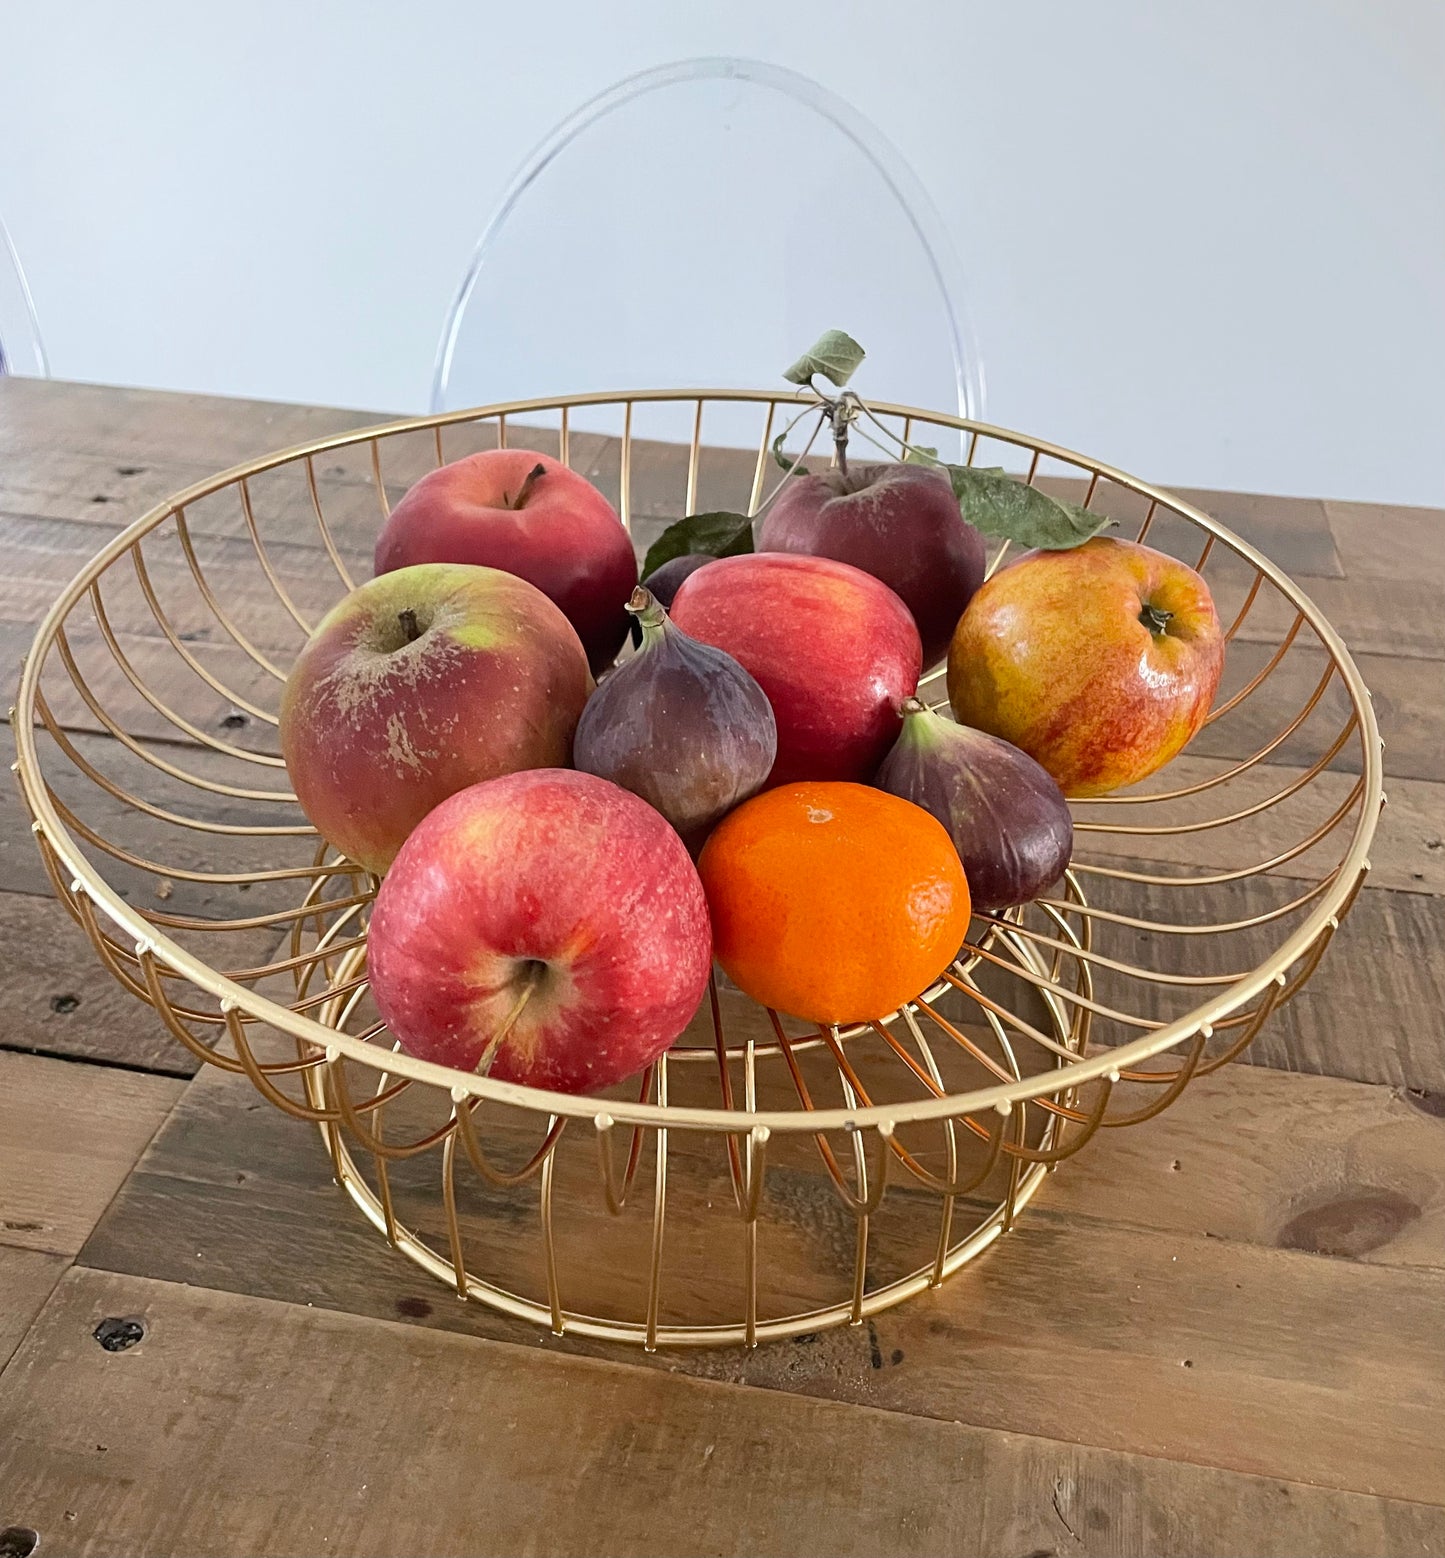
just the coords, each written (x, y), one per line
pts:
(531, 515)
(548, 928)
(1100, 662)
(420, 683)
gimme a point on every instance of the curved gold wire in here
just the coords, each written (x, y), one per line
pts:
(167, 627)
(326, 539)
(1272, 745)
(183, 534)
(190, 731)
(1167, 830)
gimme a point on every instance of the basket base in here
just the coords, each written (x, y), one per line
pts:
(568, 1322)
(567, 1244)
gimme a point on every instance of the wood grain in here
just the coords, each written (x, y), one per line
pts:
(1370, 1012)
(170, 847)
(1102, 1288)
(72, 1134)
(138, 426)
(58, 1001)
(1405, 854)
(1265, 1158)
(26, 1280)
(1406, 718)
(257, 1402)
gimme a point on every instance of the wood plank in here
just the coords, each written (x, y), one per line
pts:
(1390, 542)
(26, 1280)
(1406, 853)
(138, 425)
(1384, 616)
(72, 1134)
(258, 1401)
(1263, 1157)
(168, 845)
(189, 699)
(58, 1001)
(235, 1196)
(1293, 532)
(1370, 1012)
(1405, 717)
(43, 556)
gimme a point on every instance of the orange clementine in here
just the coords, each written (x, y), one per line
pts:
(833, 901)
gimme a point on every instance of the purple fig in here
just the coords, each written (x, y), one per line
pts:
(1007, 818)
(681, 724)
(664, 580)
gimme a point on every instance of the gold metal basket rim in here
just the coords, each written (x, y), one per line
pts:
(87, 879)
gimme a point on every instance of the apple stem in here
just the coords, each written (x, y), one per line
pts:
(410, 627)
(524, 492)
(531, 978)
(1155, 618)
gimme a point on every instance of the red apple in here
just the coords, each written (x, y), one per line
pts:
(1100, 662)
(547, 928)
(529, 514)
(420, 683)
(835, 651)
(898, 522)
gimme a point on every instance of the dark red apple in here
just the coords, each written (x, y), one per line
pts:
(546, 928)
(835, 651)
(898, 522)
(531, 515)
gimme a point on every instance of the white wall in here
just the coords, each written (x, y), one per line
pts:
(1206, 242)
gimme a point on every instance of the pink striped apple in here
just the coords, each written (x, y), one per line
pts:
(547, 928)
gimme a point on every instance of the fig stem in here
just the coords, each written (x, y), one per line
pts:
(1155, 618)
(913, 706)
(645, 606)
(531, 978)
(524, 492)
(410, 627)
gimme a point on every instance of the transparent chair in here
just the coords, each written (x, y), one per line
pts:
(21, 349)
(700, 224)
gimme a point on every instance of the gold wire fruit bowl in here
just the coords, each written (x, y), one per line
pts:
(762, 1179)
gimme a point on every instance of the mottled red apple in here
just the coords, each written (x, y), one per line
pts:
(420, 683)
(901, 523)
(529, 514)
(546, 928)
(835, 651)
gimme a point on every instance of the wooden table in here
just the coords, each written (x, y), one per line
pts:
(1242, 1354)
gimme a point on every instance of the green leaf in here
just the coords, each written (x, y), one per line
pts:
(785, 460)
(999, 505)
(835, 355)
(718, 534)
(920, 454)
